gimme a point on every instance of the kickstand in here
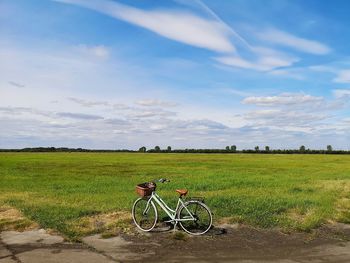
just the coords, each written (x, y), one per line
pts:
(175, 224)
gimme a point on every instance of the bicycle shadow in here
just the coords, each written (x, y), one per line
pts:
(168, 227)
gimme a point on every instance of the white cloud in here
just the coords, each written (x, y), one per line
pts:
(289, 40)
(262, 64)
(266, 59)
(296, 119)
(233, 91)
(281, 118)
(26, 127)
(289, 73)
(87, 103)
(343, 76)
(140, 114)
(337, 68)
(323, 68)
(283, 100)
(98, 51)
(99, 103)
(236, 62)
(341, 93)
(279, 121)
(79, 116)
(180, 26)
(155, 102)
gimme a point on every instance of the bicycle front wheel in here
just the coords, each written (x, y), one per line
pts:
(195, 218)
(144, 214)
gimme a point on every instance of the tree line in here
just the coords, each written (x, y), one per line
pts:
(233, 149)
(61, 149)
(228, 149)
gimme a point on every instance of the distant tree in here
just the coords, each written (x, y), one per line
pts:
(233, 148)
(142, 149)
(302, 149)
(329, 148)
(168, 149)
(256, 148)
(267, 148)
(227, 148)
(157, 149)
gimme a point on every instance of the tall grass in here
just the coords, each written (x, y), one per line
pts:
(289, 191)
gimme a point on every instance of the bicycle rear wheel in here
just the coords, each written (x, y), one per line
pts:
(195, 218)
(144, 214)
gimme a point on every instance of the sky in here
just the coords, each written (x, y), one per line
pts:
(105, 74)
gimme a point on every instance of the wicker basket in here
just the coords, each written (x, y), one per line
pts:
(145, 189)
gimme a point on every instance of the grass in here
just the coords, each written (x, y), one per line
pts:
(64, 191)
(12, 219)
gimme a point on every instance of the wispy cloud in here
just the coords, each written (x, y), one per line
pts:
(296, 114)
(180, 26)
(79, 116)
(109, 92)
(274, 126)
(286, 119)
(283, 100)
(155, 102)
(343, 76)
(338, 68)
(155, 113)
(98, 51)
(233, 91)
(87, 103)
(45, 113)
(95, 103)
(210, 33)
(25, 110)
(341, 93)
(286, 39)
(207, 9)
(262, 59)
(16, 84)
(292, 73)
(263, 63)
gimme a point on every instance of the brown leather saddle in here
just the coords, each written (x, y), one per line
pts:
(182, 192)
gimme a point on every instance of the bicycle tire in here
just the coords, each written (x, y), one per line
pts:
(202, 214)
(147, 221)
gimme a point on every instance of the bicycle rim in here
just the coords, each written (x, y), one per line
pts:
(144, 214)
(202, 218)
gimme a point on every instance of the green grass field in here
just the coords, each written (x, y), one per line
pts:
(62, 190)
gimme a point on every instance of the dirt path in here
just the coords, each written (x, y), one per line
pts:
(243, 244)
(238, 244)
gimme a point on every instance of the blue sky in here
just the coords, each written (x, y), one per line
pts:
(194, 73)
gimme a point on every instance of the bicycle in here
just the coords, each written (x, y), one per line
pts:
(193, 215)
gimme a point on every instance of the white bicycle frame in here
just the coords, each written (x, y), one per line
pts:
(170, 212)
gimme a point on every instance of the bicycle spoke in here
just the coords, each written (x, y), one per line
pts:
(201, 216)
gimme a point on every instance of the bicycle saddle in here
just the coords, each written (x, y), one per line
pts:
(182, 192)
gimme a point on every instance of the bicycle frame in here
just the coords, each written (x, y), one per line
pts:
(170, 212)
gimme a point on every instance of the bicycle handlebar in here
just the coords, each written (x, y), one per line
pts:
(163, 180)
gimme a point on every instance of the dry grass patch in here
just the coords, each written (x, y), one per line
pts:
(343, 210)
(341, 186)
(302, 219)
(108, 224)
(12, 219)
(342, 204)
(300, 215)
(230, 220)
